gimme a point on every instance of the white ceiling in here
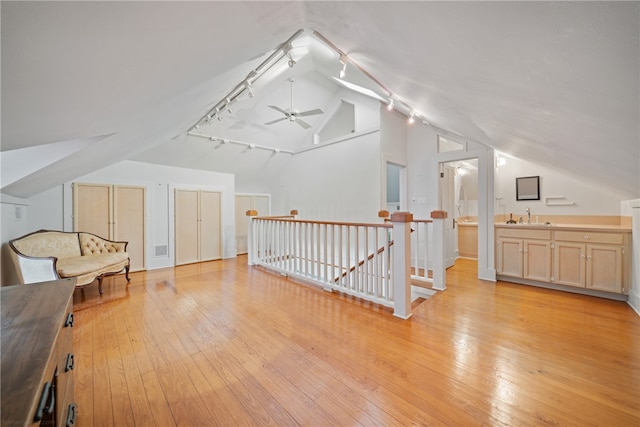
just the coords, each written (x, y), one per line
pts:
(551, 82)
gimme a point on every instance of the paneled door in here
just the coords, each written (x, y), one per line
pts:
(197, 226)
(447, 203)
(92, 211)
(129, 222)
(210, 236)
(114, 212)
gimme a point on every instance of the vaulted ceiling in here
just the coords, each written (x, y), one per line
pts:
(88, 84)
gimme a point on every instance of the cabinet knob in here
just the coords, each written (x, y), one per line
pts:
(586, 237)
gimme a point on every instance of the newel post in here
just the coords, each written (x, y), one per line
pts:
(402, 264)
(250, 237)
(439, 250)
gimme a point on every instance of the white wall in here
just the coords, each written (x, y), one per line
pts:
(422, 178)
(588, 197)
(336, 182)
(160, 182)
(53, 209)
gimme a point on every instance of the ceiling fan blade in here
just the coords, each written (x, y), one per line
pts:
(303, 123)
(311, 112)
(286, 113)
(276, 121)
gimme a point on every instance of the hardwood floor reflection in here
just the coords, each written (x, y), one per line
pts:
(220, 343)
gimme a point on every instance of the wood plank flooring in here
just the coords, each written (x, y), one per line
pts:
(221, 343)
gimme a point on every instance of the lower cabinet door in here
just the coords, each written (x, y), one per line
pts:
(604, 268)
(569, 264)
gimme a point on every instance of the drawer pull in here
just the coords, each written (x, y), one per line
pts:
(72, 413)
(586, 237)
(70, 363)
(47, 402)
(69, 321)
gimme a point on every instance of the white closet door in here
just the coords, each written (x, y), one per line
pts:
(186, 226)
(210, 236)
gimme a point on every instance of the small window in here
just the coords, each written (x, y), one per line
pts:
(445, 145)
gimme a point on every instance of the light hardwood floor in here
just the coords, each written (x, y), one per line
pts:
(220, 343)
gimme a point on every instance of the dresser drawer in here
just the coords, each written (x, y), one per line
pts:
(67, 410)
(589, 237)
(523, 233)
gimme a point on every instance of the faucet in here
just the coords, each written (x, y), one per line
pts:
(528, 216)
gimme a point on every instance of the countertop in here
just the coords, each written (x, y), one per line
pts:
(572, 227)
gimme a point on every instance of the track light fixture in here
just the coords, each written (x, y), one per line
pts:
(251, 93)
(343, 61)
(390, 105)
(412, 118)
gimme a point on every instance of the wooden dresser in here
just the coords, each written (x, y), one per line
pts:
(37, 354)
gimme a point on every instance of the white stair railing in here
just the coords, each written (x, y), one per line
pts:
(370, 261)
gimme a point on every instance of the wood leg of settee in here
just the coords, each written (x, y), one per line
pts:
(126, 273)
(100, 284)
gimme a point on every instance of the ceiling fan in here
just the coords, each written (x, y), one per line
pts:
(293, 114)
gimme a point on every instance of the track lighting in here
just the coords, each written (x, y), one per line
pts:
(390, 106)
(343, 61)
(412, 118)
(292, 61)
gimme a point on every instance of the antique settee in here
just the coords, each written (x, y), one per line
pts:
(49, 255)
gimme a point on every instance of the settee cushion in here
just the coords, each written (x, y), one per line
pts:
(77, 266)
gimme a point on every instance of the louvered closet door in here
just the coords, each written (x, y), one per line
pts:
(129, 220)
(210, 237)
(186, 226)
(92, 211)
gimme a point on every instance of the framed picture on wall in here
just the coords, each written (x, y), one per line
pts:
(528, 188)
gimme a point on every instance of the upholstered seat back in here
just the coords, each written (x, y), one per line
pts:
(49, 243)
(90, 244)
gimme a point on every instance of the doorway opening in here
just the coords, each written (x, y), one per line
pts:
(459, 197)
